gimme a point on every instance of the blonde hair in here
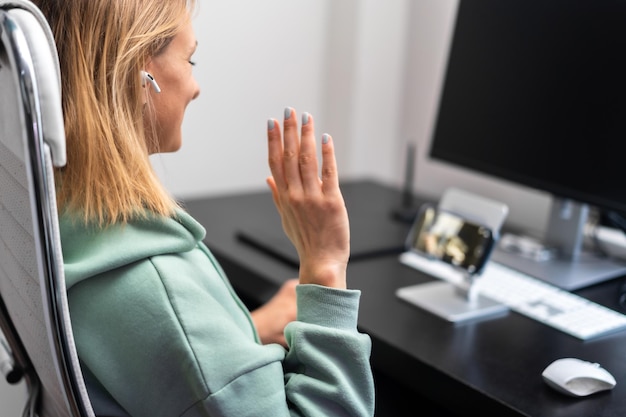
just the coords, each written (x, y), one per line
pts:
(103, 45)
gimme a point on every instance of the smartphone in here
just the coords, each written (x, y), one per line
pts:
(450, 238)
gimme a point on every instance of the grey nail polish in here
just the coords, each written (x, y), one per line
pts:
(325, 138)
(305, 118)
(287, 112)
(270, 124)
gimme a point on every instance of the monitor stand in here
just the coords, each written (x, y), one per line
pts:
(588, 269)
(572, 267)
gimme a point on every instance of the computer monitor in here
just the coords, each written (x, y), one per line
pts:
(535, 94)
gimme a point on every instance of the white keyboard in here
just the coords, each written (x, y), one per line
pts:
(531, 297)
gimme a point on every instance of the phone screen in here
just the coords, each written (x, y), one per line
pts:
(452, 239)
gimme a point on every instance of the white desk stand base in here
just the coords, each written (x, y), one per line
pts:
(443, 299)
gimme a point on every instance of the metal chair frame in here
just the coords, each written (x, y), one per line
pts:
(27, 50)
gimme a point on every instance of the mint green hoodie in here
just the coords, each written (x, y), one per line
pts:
(160, 332)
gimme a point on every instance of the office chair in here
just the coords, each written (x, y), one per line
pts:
(34, 314)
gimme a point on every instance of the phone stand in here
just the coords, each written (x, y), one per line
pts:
(453, 242)
(451, 301)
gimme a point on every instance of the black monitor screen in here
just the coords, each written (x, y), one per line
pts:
(535, 93)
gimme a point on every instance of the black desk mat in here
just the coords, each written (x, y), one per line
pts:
(368, 238)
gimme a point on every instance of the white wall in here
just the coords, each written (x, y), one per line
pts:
(369, 71)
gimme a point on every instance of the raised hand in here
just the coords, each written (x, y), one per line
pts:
(310, 204)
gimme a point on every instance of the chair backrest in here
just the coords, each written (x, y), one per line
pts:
(34, 314)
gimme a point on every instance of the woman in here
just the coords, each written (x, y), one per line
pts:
(158, 328)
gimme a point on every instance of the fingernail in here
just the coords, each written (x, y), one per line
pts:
(287, 112)
(305, 118)
(270, 124)
(325, 138)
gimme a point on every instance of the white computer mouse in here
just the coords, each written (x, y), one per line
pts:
(577, 378)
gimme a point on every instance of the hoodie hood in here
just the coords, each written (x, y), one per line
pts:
(90, 251)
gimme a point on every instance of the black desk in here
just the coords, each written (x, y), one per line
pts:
(486, 367)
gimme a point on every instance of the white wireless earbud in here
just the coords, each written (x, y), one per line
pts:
(145, 76)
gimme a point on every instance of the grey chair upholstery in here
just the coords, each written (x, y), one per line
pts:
(34, 315)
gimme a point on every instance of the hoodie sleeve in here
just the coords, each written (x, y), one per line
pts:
(328, 361)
